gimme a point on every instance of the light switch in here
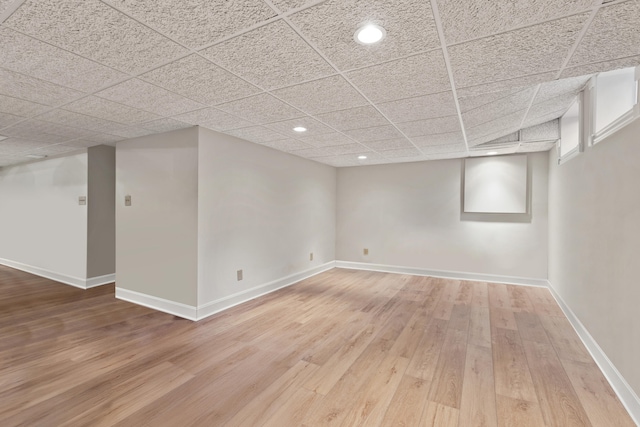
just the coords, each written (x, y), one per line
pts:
(366, 251)
(127, 200)
(239, 274)
(82, 200)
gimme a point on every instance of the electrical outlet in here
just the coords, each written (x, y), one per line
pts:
(127, 200)
(82, 200)
(311, 256)
(239, 273)
(366, 251)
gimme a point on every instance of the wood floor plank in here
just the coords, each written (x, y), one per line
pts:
(530, 327)
(480, 327)
(424, 360)
(518, 413)
(498, 296)
(510, 368)
(564, 339)
(446, 387)
(408, 403)
(503, 318)
(437, 415)
(477, 406)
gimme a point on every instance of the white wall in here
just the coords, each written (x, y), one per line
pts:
(156, 237)
(409, 215)
(42, 226)
(594, 240)
(262, 211)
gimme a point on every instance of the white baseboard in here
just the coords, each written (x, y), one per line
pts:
(625, 393)
(92, 282)
(221, 304)
(459, 275)
(58, 277)
(177, 309)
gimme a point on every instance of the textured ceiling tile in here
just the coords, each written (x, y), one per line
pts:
(323, 95)
(97, 139)
(109, 110)
(200, 80)
(495, 128)
(475, 101)
(212, 118)
(9, 119)
(530, 50)
(256, 134)
(501, 149)
(164, 125)
(94, 30)
(346, 149)
(330, 25)
(354, 118)
(270, 56)
(13, 146)
(417, 75)
(556, 88)
(53, 150)
(37, 130)
(430, 126)
(82, 121)
(558, 103)
(313, 126)
(518, 83)
(535, 146)
(546, 131)
(20, 107)
(127, 132)
(374, 134)
(439, 139)
(327, 139)
(613, 33)
(310, 153)
(442, 149)
(512, 137)
(518, 102)
(389, 144)
(286, 5)
(402, 152)
(145, 96)
(197, 22)
(470, 19)
(32, 57)
(4, 5)
(35, 90)
(287, 145)
(260, 109)
(420, 107)
(598, 67)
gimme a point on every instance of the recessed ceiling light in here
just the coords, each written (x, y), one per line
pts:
(35, 156)
(300, 129)
(362, 157)
(492, 153)
(369, 34)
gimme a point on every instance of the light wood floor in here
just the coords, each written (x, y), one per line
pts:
(344, 348)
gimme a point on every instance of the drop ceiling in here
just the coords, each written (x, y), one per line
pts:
(452, 79)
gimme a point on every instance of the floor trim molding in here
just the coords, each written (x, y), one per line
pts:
(93, 282)
(58, 277)
(460, 275)
(624, 391)
(171, 307)
(224, 303)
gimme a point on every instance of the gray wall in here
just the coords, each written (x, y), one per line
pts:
(101, 221)
(594, 240)
(409, 215)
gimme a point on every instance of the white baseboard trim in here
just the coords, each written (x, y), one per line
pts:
(92, 282)
(58, 277)
(625, 393)
(459, 275)
(177, 309)
(227, 302)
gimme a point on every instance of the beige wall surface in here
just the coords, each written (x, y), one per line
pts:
(262, 211)
(409, 215)
(594, 240)
(101, 226)
(42, 224)
(156, 237)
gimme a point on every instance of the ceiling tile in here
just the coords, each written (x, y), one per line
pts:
(35, 90)
(32, 57)
(613, 34)
(598, 67)
(53, 150)
(331, 25)
(556, 88)
(441, 149)
(327, 139)
(430, 126)
(500, 149)
(127, 132)
(164, 125)
(544, 132)
(270, 56)
(416, 75)
(260, 109)
(518, 83)
(200, 80)
(390, 144)
(475, 101)
(347, 160)
(374, 133)
(354, 118)
(512, 137)
(197, 22)
(37, 130)
(517, 102)
(535, 146)
(321, 96)
(471, 19)
(420, 107)
(14, 146)
(92, 29)
(4, 5)
(313, 126)
(82, 121)
(147, 97)
(286, 5)
(212, 118)
(439, 139)
(402, 152)
(287, 145)
(310, 153)
(97, 139)
(9, 119)
(346, 149)
(495, 128)
(109, 110)
(256, 134)
(530, 50)
(555, 106)
(20, 107)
